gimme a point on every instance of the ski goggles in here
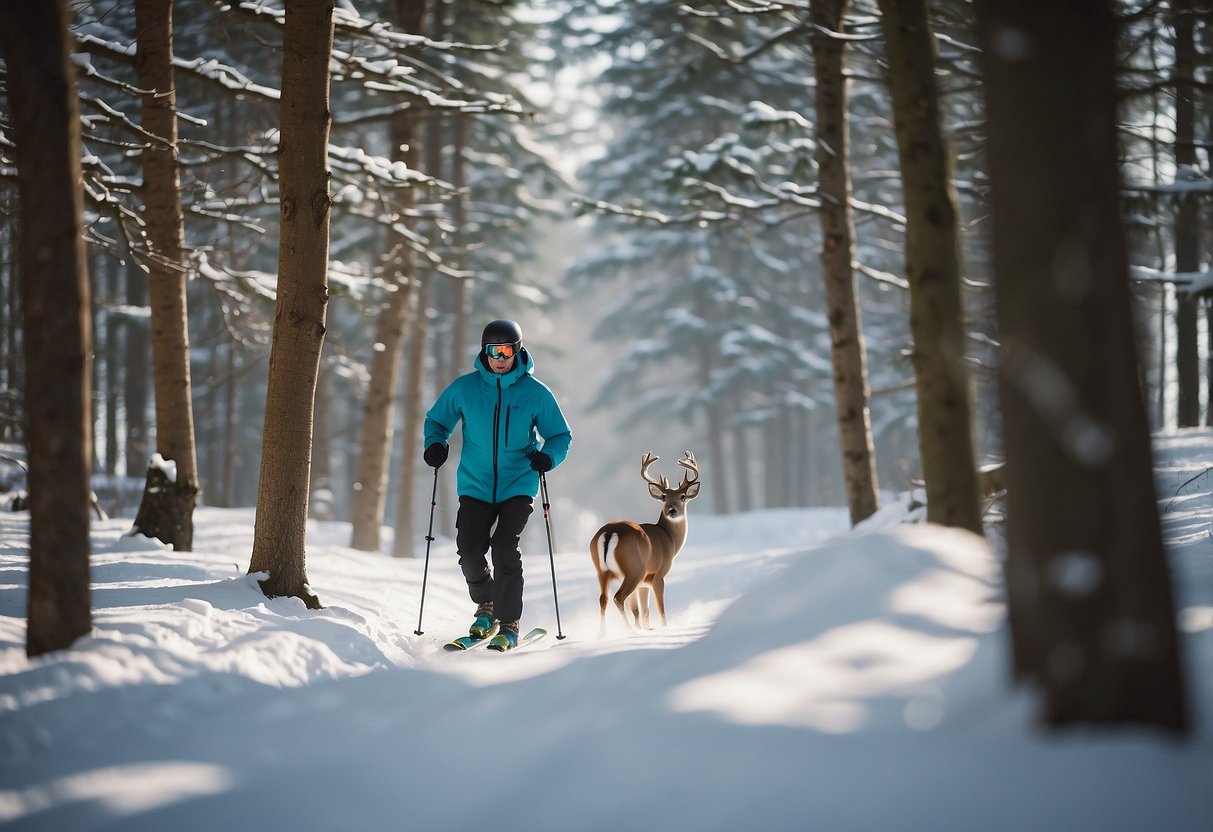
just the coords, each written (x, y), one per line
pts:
(499, 351)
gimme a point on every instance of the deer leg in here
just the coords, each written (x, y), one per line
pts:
(643, 595)
(634, 607)
(604, 582)
(659, 594)
(604, 586)
(626, 587)
(602, 605)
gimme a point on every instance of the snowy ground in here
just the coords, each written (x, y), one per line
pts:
(810, 679)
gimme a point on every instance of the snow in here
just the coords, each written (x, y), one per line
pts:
(811, 677)
(166, 466)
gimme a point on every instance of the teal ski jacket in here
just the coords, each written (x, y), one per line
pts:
(504, 417)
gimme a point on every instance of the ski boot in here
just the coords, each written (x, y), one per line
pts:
(506, 638)
(484, 621)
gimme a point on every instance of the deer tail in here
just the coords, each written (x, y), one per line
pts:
(605, 550)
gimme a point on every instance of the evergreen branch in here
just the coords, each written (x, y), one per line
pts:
(203, 69)
(659, 217)
(114, 117)
(881, 276)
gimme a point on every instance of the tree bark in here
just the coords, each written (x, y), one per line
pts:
(1187, 214)
(12, 415)
(378, 414)
(113, 368)
(461, 288)
(851, 391)
(230, 456)
(1088, 589)
(279, 533)
(56, 302)
(137, 346)
(166, 512)
(320, 505)
(945, 431)
(378, 420)
(414, 417)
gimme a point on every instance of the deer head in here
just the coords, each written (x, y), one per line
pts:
(673, 500)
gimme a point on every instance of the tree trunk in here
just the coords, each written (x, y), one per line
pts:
(299, 313)
(1187, 213)
(378, 414)
(850, 361)
(1088, 589)
(714, 423)
(135, 376)
(13, 413)
(743, 477)
(406, 535)
(1208, 311)
(230, 457)
(46, 132)
(113, 367)
(378, 420)
(462, 288)
(321, 502)
(945, 431)
(1208, 253)
(166, 513)
(8, 310)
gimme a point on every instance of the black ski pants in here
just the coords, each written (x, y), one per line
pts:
(483, 527)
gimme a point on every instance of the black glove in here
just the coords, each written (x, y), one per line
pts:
(541, 462)
(435, 455)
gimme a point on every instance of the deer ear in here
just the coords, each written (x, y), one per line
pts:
(693, 490)
(656, 491)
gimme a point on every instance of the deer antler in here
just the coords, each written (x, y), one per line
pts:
(688, 462)
(647, 460)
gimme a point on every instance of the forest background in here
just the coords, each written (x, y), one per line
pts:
(650, 189)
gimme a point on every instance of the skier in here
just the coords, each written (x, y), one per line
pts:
(505, 411)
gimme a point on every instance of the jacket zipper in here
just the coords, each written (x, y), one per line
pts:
(496, 425)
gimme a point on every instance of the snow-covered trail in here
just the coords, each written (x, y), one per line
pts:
(810, 677)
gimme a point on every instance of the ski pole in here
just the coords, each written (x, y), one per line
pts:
(547, 518)
(429, 538)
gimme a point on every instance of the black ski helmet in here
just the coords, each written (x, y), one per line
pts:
(501, 332)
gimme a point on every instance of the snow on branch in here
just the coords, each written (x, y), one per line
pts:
(204, 69)
(877, 211)
(744, 8)
(659, 217)
(1193, 283)
(393, 76)
(881, 276)
(1181, 186)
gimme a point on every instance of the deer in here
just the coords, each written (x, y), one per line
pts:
(639, 555)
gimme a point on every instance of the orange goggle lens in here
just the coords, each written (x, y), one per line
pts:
(499, 351)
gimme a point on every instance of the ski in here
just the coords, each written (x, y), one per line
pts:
(531, 637)
(468, 642)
